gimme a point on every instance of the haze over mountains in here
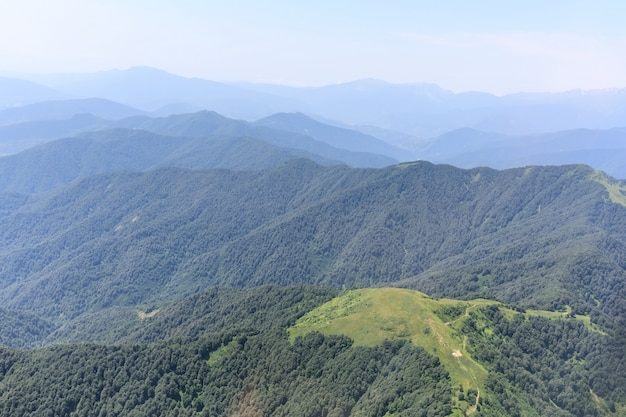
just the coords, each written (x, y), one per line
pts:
(173, 246)
(423, 120)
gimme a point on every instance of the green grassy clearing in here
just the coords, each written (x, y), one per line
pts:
(616, 190)
(371, 315)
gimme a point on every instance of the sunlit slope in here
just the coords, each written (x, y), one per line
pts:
(369, 316)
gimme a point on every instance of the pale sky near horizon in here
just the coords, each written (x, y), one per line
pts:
(498, 46)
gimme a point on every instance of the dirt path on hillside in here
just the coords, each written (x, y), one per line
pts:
(473, 408)
(465, 315)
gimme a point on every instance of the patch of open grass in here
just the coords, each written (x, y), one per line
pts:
(616, 190)
(554, 315)
(225, 350)
(370, 316)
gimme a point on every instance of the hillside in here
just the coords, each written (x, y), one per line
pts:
(537, 237)
(58, 163)
(471, 339)
(348, 139)
(226, 351)
(371, 316)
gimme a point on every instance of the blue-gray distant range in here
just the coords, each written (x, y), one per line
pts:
(360, 123)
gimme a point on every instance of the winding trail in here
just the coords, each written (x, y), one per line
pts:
(463, 316)
(473, 408)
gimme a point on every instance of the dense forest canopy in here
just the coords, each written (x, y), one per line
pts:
(172, 289)
(543, 237)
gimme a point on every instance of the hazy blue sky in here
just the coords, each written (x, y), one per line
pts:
(499, 46)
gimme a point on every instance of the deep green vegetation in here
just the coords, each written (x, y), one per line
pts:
(238, 361)
(260, 375)
(227, 352)
(213, 310)
(156, 283)
(500, 361)
(22, 330)
(537, 237)
(536, 363)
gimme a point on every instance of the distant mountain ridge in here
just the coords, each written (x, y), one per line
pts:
(420, 109)
(17, 92)
(151, 89)
(58, 163)
(468, 148)
(339, 137)
(63, 109)
(195, 141)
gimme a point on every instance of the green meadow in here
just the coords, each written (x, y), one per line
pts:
(371, 315)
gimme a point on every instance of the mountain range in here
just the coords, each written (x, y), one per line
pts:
(423, 110)
(405, 122)
(310, 251)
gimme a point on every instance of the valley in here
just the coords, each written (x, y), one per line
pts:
(247, 250)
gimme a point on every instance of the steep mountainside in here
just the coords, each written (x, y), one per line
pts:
(545, 237)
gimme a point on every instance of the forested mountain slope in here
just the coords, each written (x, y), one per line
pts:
(58, 163)
(545, 237)
(324, 141)
(195, 141)
(227, 351)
